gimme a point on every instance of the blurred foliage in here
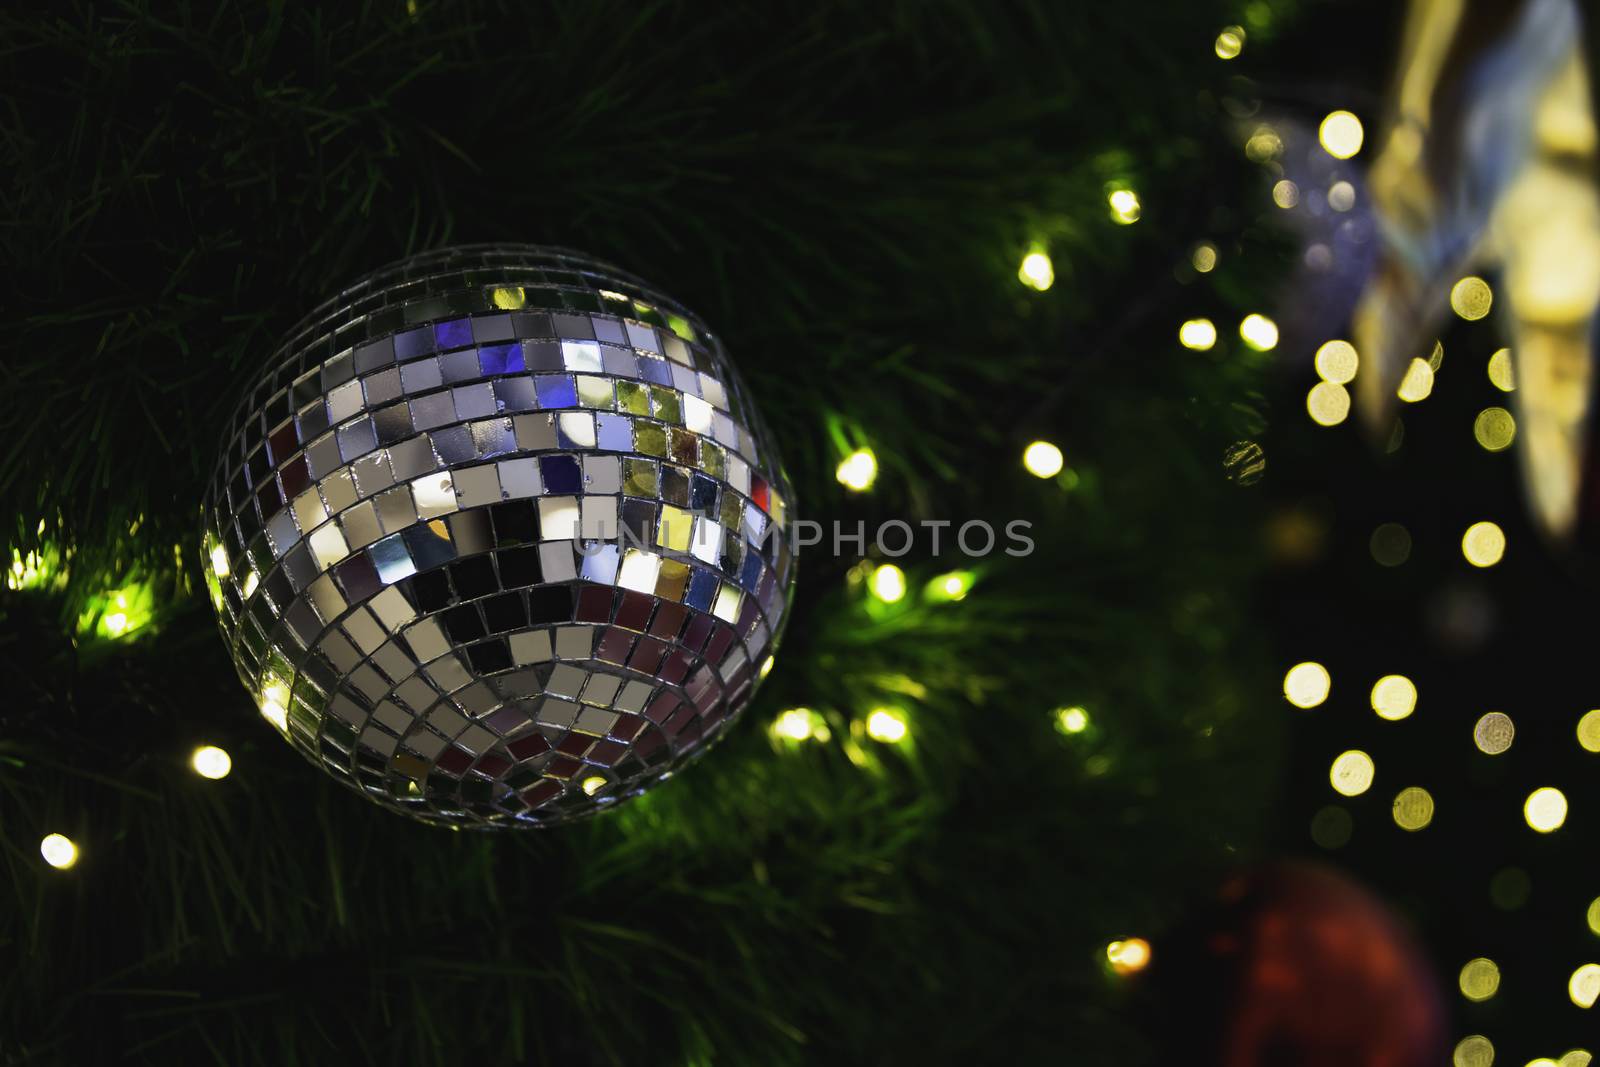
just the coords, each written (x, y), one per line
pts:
(846, 193)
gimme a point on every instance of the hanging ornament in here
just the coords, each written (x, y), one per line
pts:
(1490, 160)
(1295, 963)
(497, 537)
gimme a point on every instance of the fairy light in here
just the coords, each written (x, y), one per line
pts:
(1128, 956)
(1198, 334)
(1204, 257)
(800, 724)
(1413, 808)
(1479, 979)
(59, 851)
(954, 585)
(1073, 720)
(1229, 43)
(1337, 361)
(1501, 375)
(1473, 1051)
(1264, 145)
(1352, 773)
(1328, 403)
(1043, 459)
(1417, 384)
(1340, 134)
(887, 725)
(1125, 207)
(1036, 271)
(858, 470)
(1494, 429)
(1484, 544)
(1394, 697)
(1545, 809)
(1589, 731)
(888, 583)
(1259, 332)
(1584, 985)
(1471, 298)
(209, 761)
(1307, 684)
(1494, 733)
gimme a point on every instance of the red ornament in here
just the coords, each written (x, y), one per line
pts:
(1297, 964)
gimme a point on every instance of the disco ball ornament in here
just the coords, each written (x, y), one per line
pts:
(497, 537)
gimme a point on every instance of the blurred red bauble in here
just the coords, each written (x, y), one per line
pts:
(1295, 965)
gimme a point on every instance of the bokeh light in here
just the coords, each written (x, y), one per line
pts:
(954, 585)
(1264, 145)
(1204, 257)
(1352, 773)
(1331, 827)
(1337, 361)
(1341, 196)
(1259, 332)
(1390, 544)
(888, 583)
(1473, 1051)
(1394, 697)
(1480, 979)
(1340, 134)
(858, 470)
(1471, 298)
(1484, 544)
(1073, 720)
(1198, 334)
(887, 725)
(59, 851)
(1589, 731)
(1417, 384)
(209, 761)
(1510, 888)
(1494, 733)
(1545, 809)
(1230, 42)
(1128, 956)
(1584, 985)
(1285, 193)
(1307, 684)
(800, 724)
(1494, 428)
(1592, 916)
(1125, 207)
(1328, 403)
(1500, 371)
(1043, 459)
(1036, 271)
(1413, 808)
